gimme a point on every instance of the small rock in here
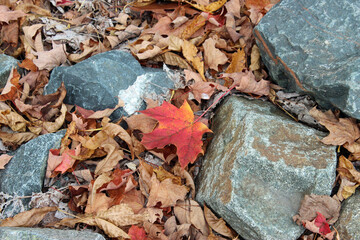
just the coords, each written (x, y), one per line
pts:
(25, 172)
(96, 82)
(259, 166)
(313, 47)
(6, 64)
(348, 224)
(16, 233)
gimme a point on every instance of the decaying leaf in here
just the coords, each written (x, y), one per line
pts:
(6, 15)
(176, 126)
(28, 218)
(346, 169)
(217, 224)
(212, 7)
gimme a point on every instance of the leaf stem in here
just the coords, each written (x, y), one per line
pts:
(215, 103)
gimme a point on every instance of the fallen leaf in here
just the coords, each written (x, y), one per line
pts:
(213, 56)
(245, 82)
(326, 205)
(98, 202)
(319, 225)
(16, 138)
(170, 58)
(7, 15)
(193, 26)
(189, 211)
(14, 120)
(212, 7)
(204, 90)
(12, 87)
(50, 59)
(137, 233)
(28, 218)
(238, 62)
(347, 170)
(255, 58)
(176, 126)
(342, 130)
(67, 161)
(218, 224)
(346, 189)
(110, 221)
(4, 159)
(190, 53)
(234, 6)
(165, 192)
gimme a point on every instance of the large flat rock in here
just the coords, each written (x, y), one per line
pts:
(314, 47)
(348, 224)
(96, 82)
(259, 166)
(25, 172)
(17, 233)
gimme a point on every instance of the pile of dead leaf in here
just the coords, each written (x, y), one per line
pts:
(134, 178)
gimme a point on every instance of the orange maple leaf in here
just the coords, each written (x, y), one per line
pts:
(176, 126)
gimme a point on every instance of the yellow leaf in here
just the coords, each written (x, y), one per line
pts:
(238, 62)
(212, 7)
(197, 23)
(190, 53)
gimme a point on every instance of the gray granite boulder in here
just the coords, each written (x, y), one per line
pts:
(6, 64)
(17, 233)
(96, 82)
(348, 224)
(259, 166)
(25, 172)
(313, 47)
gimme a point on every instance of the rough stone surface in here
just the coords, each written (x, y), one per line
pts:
(348, 224)
(96, 82)
(6, 64)
(314, 47)
(259, 166)
(25, 172)
(16, 233)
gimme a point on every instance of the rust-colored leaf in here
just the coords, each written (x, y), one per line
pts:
(238, 62)
(176, 126)
(137, 233)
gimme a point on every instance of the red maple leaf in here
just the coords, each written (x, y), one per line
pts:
(320, 221)
(137, 233)
(176, 126)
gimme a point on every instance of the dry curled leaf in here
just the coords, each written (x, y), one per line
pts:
(342, 130)
(217, 224)
(28, 218)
